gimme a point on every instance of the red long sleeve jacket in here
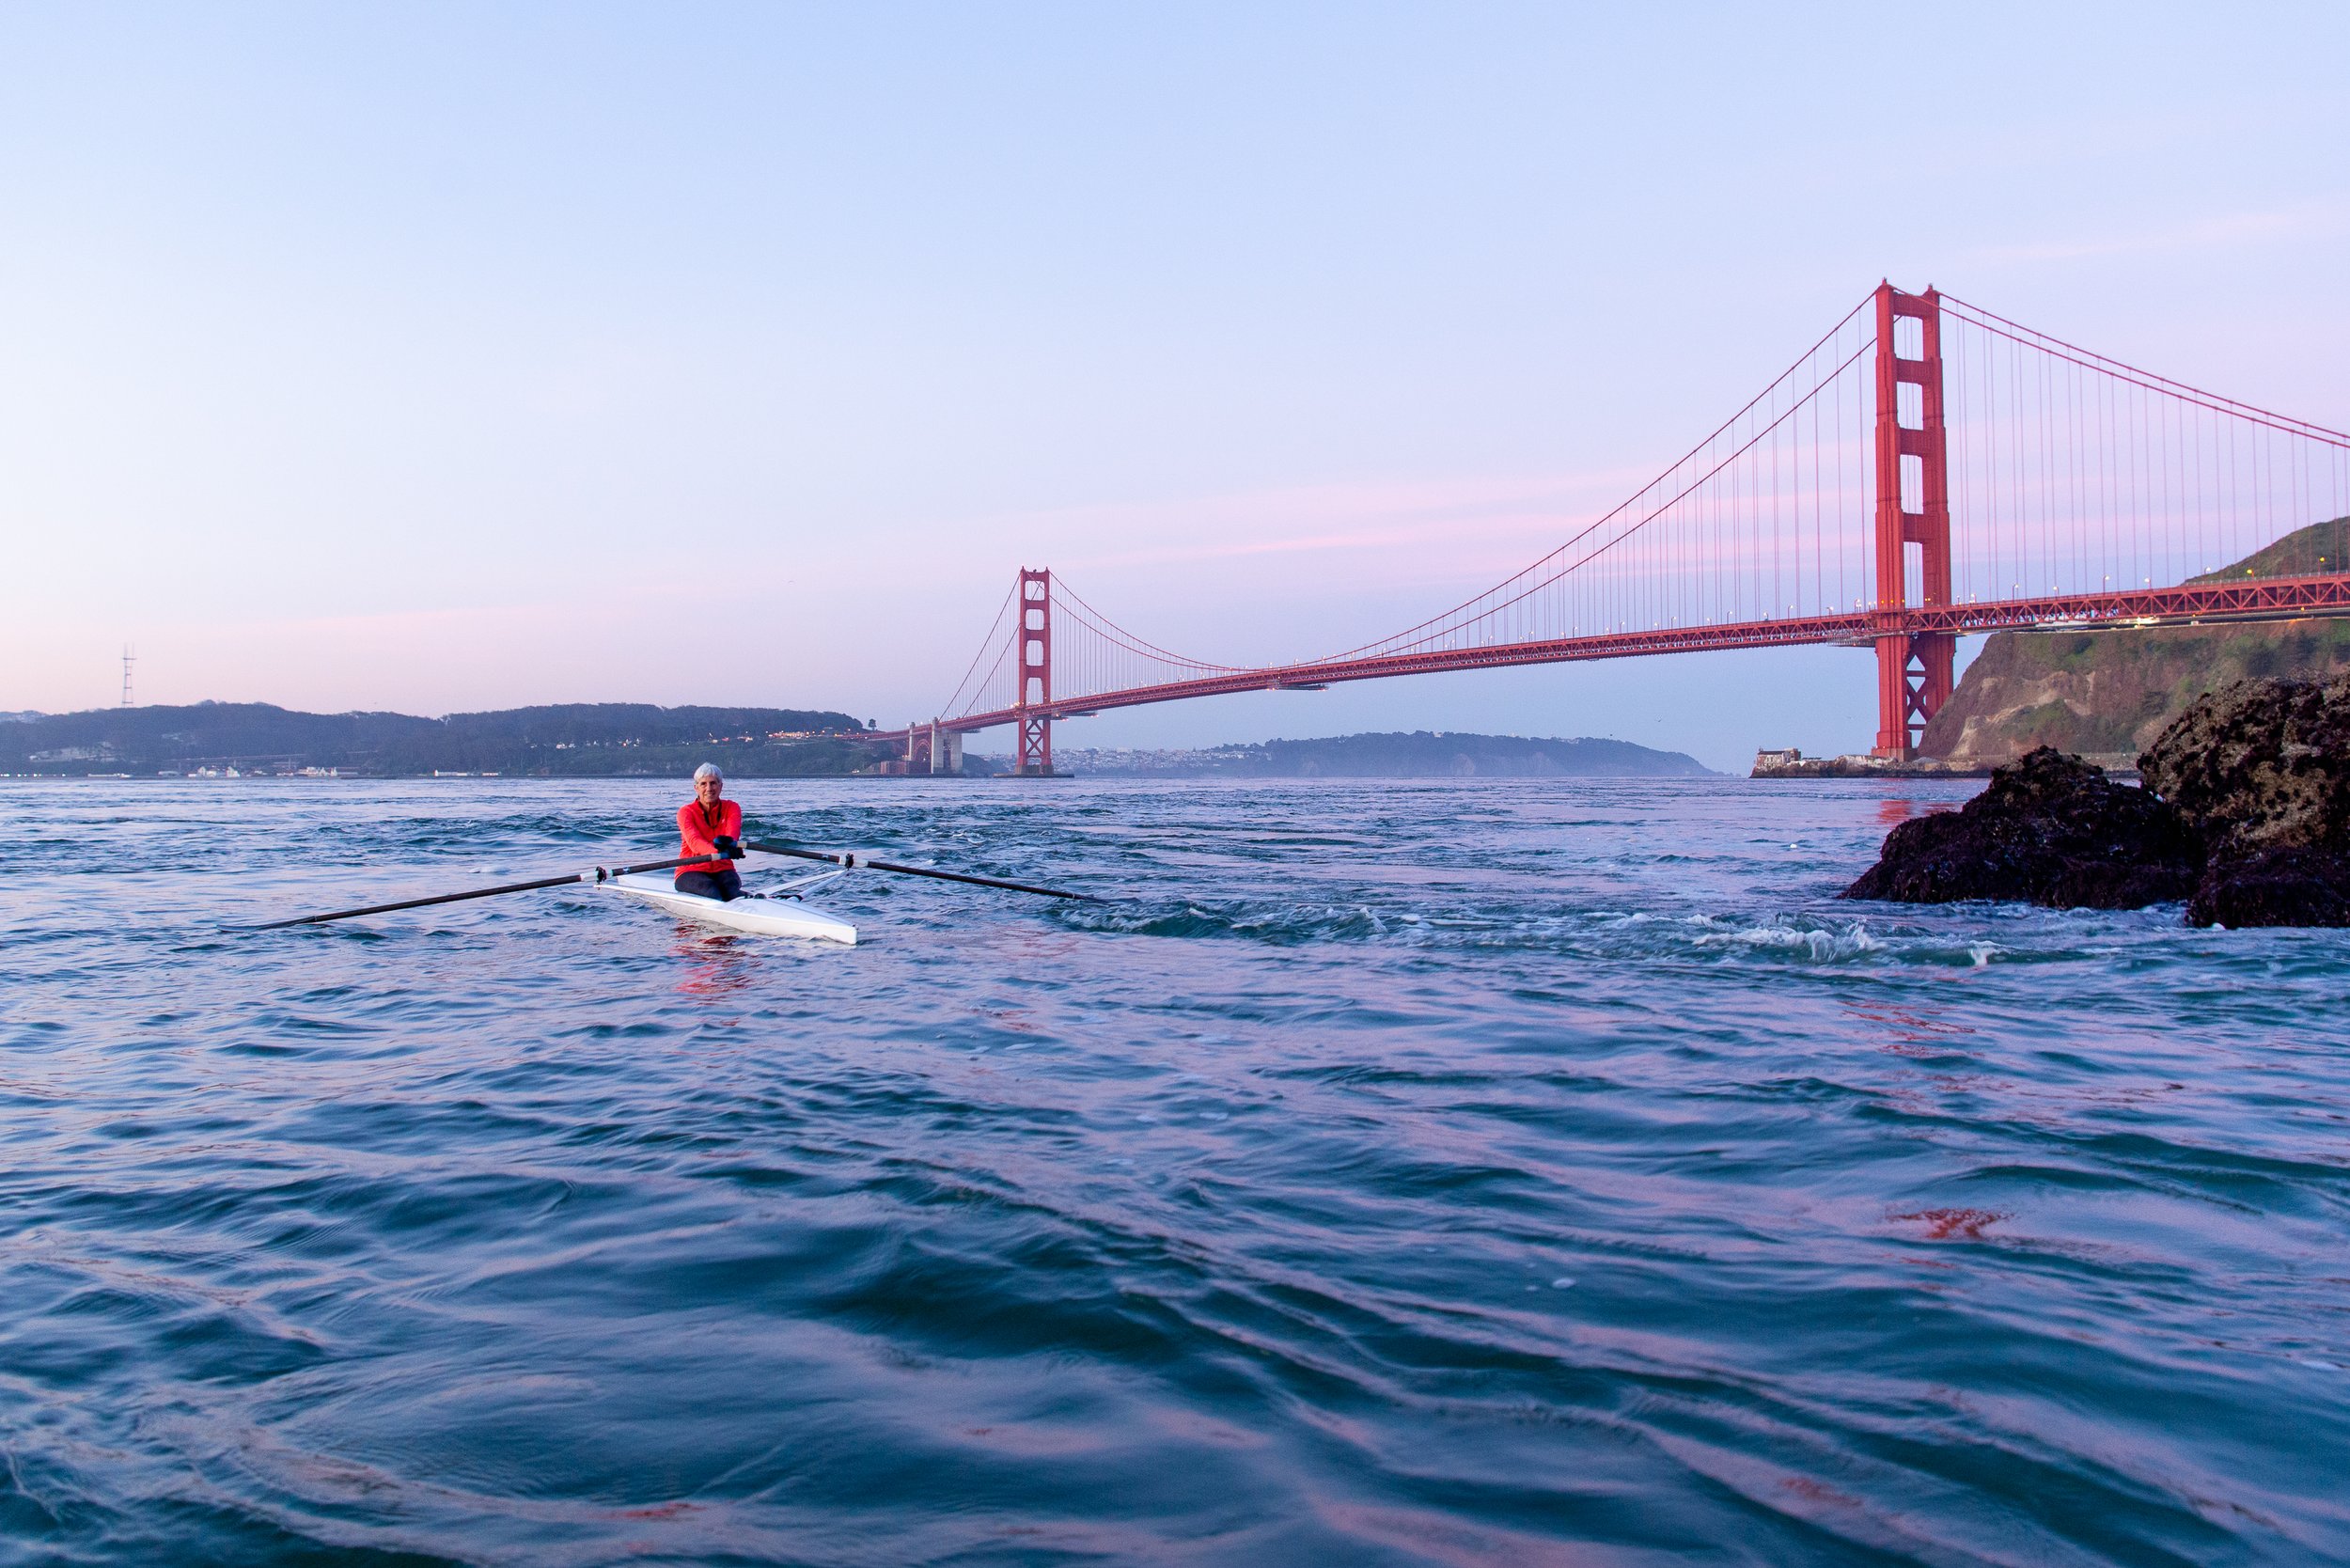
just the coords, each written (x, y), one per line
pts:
(697, 828)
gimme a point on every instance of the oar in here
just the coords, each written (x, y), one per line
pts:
(854, 861)
(593, 874)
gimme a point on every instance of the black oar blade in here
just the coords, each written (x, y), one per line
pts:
(594, 873)
(855, 861)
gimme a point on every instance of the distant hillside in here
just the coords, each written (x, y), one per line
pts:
(2109, 693)
(581, 740)
(1421, 754)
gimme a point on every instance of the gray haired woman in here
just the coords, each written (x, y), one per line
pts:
(709, 824)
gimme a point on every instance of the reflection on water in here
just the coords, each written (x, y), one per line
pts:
(1912, 1027)
(1435, 1172)
(1892, 812)
(712, 965)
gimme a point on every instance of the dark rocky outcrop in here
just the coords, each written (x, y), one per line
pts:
(2051, 830)
(2262, 765)
(2274, 887)
(2245, 814)
(2261, 771)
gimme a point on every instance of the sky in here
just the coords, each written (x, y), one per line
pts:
(440, 357)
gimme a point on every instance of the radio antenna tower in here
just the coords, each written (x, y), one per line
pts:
(129, 659)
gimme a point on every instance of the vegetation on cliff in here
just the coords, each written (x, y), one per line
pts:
(2108, 693)
(2311, 552)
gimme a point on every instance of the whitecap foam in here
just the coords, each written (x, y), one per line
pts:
(1820, 944)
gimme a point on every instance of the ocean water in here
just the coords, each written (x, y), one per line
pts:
(1446, 1172)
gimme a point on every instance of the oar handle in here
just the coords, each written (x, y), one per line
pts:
(851, 860)
(593, 874)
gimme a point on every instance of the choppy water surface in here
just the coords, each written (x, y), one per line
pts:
(1387, 1174)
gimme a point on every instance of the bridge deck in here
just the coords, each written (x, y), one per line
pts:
(2254, 598)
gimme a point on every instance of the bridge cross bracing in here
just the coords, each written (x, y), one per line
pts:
(1926, 470)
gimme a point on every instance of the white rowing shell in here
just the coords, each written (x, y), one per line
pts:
(759, 917)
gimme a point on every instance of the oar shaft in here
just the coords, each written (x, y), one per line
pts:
(855, 861)
(663, 864)
(597, 874)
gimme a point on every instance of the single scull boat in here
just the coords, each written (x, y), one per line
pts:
(780, 914)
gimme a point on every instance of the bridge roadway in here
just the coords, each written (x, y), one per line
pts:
(2251, 600)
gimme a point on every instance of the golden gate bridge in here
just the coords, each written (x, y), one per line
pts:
(1926, 470)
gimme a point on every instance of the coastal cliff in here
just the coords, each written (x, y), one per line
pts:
(2106, 695)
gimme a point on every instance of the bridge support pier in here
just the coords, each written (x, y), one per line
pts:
(1032, 666)
(1913, 508)
(946, 749)
(1914, 680)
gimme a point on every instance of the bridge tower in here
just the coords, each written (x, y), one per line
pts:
(1032, 661)
(1913, 481)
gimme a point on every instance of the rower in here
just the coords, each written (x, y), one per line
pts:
(709, 824)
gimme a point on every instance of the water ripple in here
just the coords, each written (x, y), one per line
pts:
(1421, 1173)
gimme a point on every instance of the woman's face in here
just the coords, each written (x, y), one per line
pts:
(708, 789)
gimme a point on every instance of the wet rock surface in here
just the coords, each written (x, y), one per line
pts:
(2261, 771)
(2274, 887)
(2245, 814)
(2262, 765)
(2050, 830)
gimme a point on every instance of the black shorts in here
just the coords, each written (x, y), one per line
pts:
(723, 883)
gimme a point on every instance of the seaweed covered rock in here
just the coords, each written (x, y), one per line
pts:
(2261, 771)
(2050, 830)
(2259, 765)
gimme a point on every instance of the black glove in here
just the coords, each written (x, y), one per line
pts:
(727, 846)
